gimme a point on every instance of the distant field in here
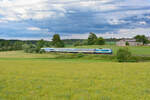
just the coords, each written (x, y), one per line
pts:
(110, 43)
(21, 54)
(137, 50)
(73, 80)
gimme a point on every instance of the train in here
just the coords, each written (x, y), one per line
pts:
(77, 50)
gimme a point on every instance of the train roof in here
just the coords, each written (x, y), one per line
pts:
(75, 48)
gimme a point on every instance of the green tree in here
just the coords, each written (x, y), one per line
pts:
(123, 55)
(85, 42)
(92, 39)
(17, 45)
(41, 43)
(30, 48)
(141, 38)
(6, 43)
(100, 41)
(56, 41)
(127, 43)
(78, 43)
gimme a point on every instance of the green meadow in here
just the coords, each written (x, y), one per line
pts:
(25, 76)
(136, 50)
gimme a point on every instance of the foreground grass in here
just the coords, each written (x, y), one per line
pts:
(71, 80)
(26, 76)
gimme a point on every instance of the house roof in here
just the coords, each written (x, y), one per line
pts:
(128, 40)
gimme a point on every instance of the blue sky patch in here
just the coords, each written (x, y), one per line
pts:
(40, 19)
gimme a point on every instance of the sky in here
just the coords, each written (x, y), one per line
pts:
(73, 19)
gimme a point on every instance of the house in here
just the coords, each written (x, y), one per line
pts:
(148, 44)
(130, 42)
(148, 38)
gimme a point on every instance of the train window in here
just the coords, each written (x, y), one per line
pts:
(105, 50)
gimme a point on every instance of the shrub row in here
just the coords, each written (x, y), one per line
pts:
(123, 55)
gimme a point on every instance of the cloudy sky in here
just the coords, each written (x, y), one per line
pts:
(36, 19)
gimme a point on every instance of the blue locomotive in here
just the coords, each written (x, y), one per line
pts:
(76, 50)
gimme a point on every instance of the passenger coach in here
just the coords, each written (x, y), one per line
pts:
(75, 50)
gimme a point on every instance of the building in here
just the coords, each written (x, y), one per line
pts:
(148, 38)
(130, 42)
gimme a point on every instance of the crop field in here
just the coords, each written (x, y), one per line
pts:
(27, 78)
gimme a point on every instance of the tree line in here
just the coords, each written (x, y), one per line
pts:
(57, 42)
(8, 45)
(142, 38)
(92, 40)
(36, 45)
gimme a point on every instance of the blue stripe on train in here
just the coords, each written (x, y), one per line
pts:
(75, 50)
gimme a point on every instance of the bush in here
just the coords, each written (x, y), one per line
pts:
(29, 48)
(100, 41)
(42, 51)
(124, 55)
(127, 43)
(59, 44)
(141, 58)
(78, 43)
(79, 55)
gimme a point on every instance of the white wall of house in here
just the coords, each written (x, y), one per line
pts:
(149, 38)
(135, 43)
(121, 43)
(131, 43)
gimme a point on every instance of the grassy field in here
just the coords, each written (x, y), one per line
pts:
(37, 77)
(21, 54)
(137, 50)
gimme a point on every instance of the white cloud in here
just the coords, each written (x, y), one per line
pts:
(16, 10)
(142, 23)
(136, 31)
(92, 5)
(97, 12)
(148, 17)
(122, 33)
(38, 30)
(126, 33)
(116, 21)
(33, 29)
